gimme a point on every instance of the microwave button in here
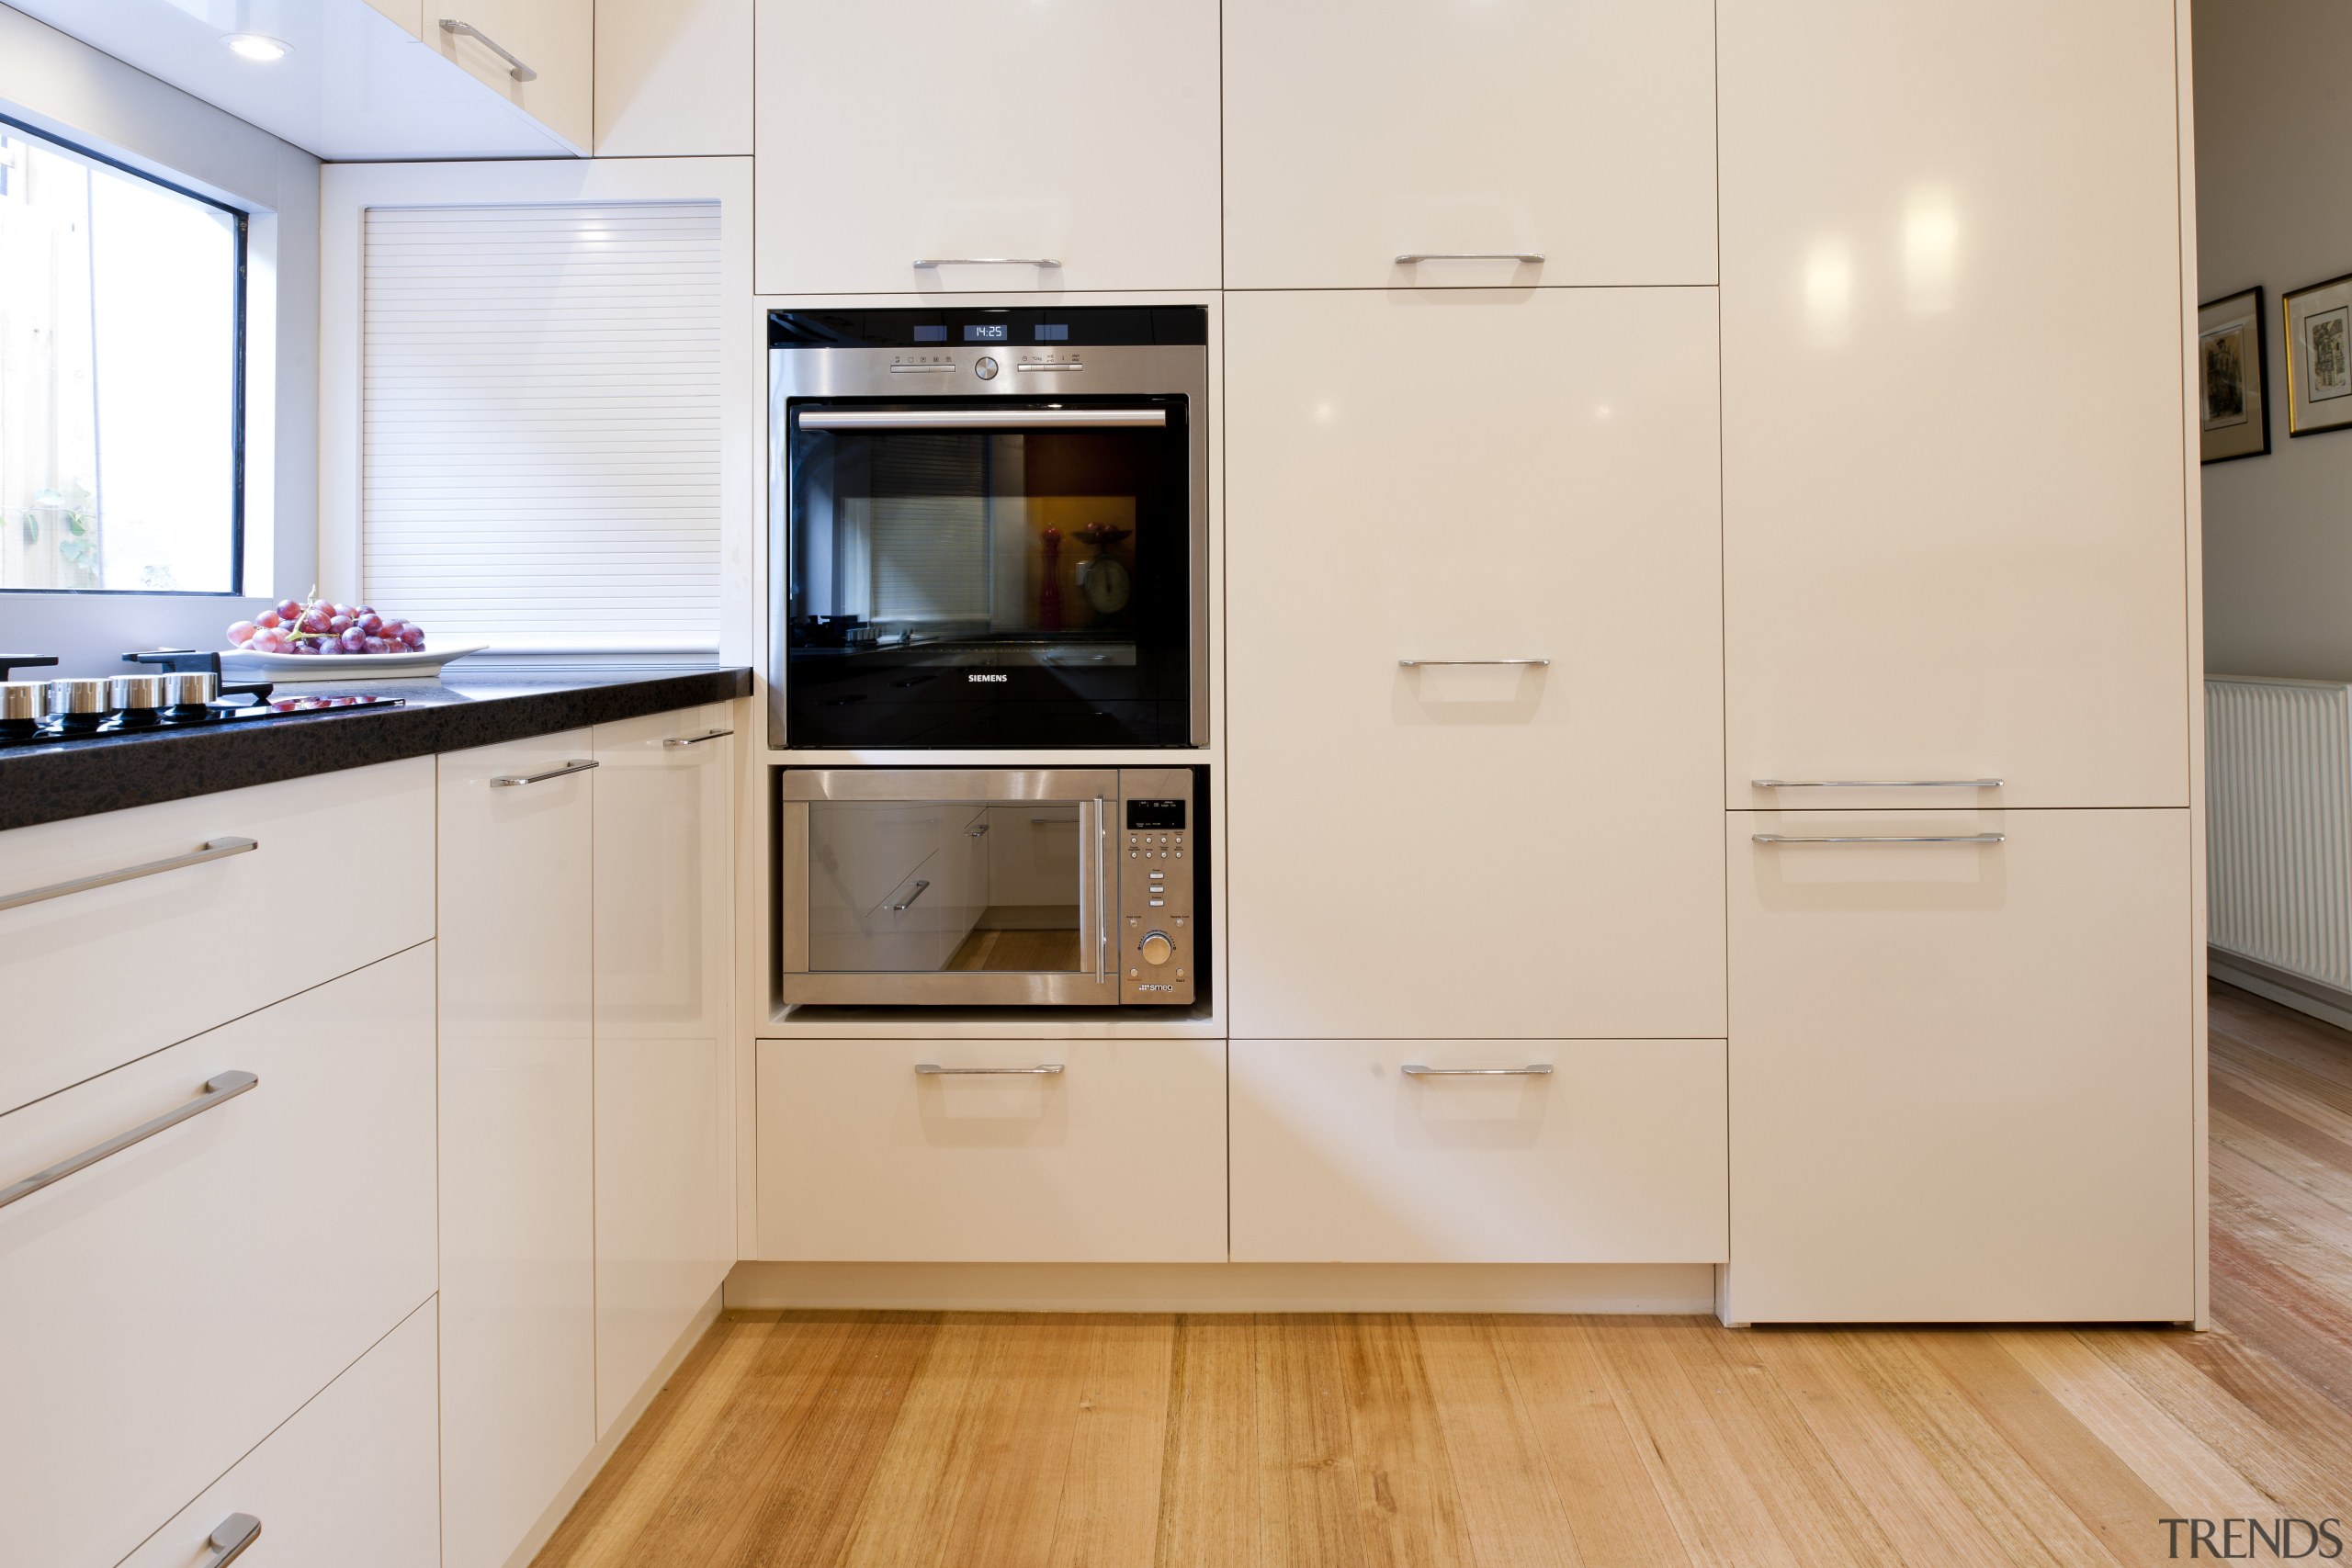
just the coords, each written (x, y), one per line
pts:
(918, 369)
(1049, 364)
(986, 368)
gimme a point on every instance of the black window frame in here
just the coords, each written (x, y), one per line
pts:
(237, 378)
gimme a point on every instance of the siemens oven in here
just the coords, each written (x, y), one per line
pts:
(989, 886)
(989, 528)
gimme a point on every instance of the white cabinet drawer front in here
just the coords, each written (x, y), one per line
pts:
(1117, 1159)
(1083, 132)
(1963, 1071)
(1340, 1155)
(170, 1304)
(1474, 850)
(1923, 581)
(350, 1482)
(1578, 131)
(342, 875)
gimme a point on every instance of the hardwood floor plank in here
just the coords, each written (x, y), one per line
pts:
(2032, 1523)
(2316, 1097)
(1211, 1472)
(2242, 1018)
(2279, 1310)
(1614, 1511)
(1307, 1489)
(2170, 1459)
(2311, 1474)
(1110, 1503)
(974, 1467)
(1510, 1515)
(1925, 1521)
(1707, 1492)
(1412, 1517)
(2282, 1196)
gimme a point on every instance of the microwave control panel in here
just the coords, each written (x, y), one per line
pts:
(1155, 944)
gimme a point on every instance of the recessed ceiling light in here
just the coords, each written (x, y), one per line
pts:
(254, 46)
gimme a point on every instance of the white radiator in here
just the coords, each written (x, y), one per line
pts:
(2279, 823)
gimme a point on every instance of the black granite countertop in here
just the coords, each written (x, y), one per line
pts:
(53, 781)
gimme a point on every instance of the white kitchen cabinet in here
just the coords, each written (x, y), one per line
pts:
(1962, 1072)
(351, 1480)
(74, 1009)
(1343, 1153)
(518, 1355)
(1953, 495)
(168, 1307)
(998, 135)
(664, 1052)
(673, 78)
(1117, 1158)
(1581, 132)
(555, 41)
(1519, 850)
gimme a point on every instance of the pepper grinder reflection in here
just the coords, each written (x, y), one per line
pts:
(1049, 598)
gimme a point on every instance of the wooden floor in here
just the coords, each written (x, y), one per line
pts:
(970, 1441)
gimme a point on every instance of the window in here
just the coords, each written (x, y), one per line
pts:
(122, 386)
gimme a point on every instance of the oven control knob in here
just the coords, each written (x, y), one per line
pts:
(1157, 949)
(985, 369)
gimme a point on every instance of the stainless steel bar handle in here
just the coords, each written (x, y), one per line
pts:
(1425, 663)
(980, 832)
(229, 1537)
(516, 68)
(214, 849)
(920, 888)
(930, 263)
(983, 419)
(1533, 1070)
(1880, 838)
(1876, 784)
(1409, 257)
(218, 1090)
(507, 781)
(675, 742)
(933, 1070)
(1101, 894)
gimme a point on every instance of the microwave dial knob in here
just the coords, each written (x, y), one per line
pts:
(1157, 949)
(986, 368)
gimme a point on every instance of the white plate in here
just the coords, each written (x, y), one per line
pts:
(425, 664)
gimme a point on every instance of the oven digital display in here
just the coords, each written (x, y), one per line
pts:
(986, 332)
(929, 334)
(1155, 816)
(1053, 331)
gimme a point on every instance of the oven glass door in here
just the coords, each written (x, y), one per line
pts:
(946, 887)
(988, 573)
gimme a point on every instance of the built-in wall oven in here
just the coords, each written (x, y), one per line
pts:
(1038, 886)
(988, 527)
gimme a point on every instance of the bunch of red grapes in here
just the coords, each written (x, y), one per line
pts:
(322, 626)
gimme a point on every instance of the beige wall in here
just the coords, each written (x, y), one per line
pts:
(2274, 207)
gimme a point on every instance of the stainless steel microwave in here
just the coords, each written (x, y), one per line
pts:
(988, 527)
(989, 886)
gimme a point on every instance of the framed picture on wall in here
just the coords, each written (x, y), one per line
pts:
(2319, 356)
(2233, 377)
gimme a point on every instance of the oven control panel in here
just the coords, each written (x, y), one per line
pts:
(1153, 837)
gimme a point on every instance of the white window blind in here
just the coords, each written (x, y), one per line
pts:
(541, 427)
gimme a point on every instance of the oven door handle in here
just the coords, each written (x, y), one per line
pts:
(1102, 895)
(983, 419)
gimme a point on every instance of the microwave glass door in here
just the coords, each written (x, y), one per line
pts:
(911, 890)
(988, 573)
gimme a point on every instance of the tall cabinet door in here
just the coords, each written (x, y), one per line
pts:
(665, 1102)
(1511, 142)
(986, 145)
(1475, 718)
(518, 1355)
(1953, 426)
